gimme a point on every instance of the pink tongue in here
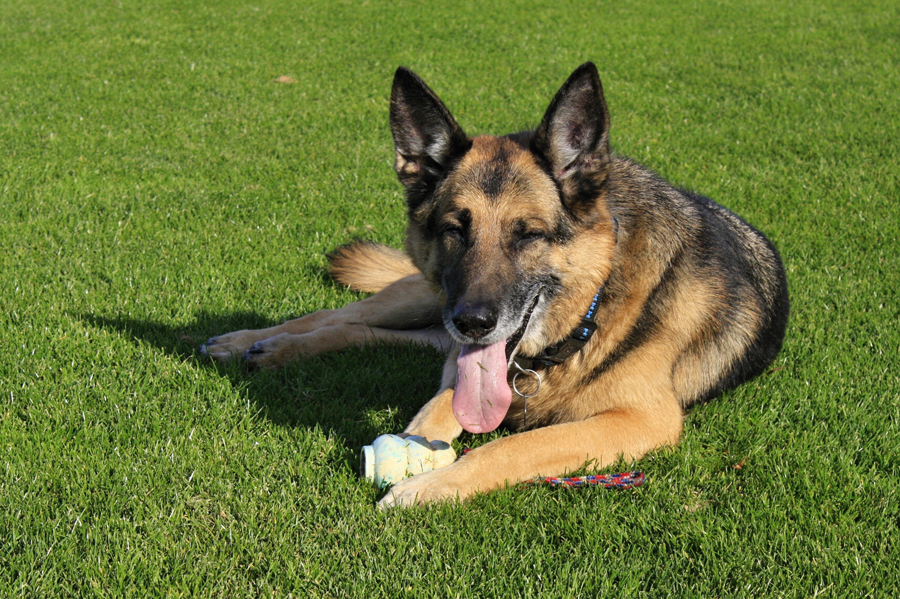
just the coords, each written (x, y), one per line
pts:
(482, 395)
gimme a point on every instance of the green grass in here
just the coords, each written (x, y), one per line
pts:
(157, 187)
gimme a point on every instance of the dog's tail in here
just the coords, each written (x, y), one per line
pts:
(368, 266)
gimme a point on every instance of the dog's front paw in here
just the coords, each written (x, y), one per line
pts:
(229, 346)
(429, 487)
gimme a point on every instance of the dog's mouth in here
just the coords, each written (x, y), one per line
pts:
(482, 395)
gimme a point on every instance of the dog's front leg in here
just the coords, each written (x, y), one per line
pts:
(435, 421)
(551, 451)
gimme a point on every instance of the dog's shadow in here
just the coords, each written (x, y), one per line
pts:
(356, 394)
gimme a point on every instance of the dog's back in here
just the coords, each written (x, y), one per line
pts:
(715, 281)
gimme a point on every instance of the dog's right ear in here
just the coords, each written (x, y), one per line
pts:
(426, 137)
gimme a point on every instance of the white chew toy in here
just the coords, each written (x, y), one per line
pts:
(390, 458)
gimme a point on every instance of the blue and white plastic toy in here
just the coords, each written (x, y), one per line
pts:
(391, 458)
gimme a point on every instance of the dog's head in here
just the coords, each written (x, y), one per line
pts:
(515, 229)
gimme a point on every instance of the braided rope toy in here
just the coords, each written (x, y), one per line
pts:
(622, 480)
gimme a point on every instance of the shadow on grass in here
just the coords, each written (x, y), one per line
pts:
(357, 393)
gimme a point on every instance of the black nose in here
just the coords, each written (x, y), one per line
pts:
(474, 321)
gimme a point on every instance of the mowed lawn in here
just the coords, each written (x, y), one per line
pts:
(174, 170)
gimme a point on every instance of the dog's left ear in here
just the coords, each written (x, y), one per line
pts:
(573, 139)
(426, 136)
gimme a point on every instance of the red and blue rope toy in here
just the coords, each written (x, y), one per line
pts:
(622, 480)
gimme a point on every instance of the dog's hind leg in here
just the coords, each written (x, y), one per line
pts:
(395, 314)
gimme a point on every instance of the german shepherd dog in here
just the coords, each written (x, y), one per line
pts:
(581, 299)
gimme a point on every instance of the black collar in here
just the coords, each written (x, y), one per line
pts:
(578, 338)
